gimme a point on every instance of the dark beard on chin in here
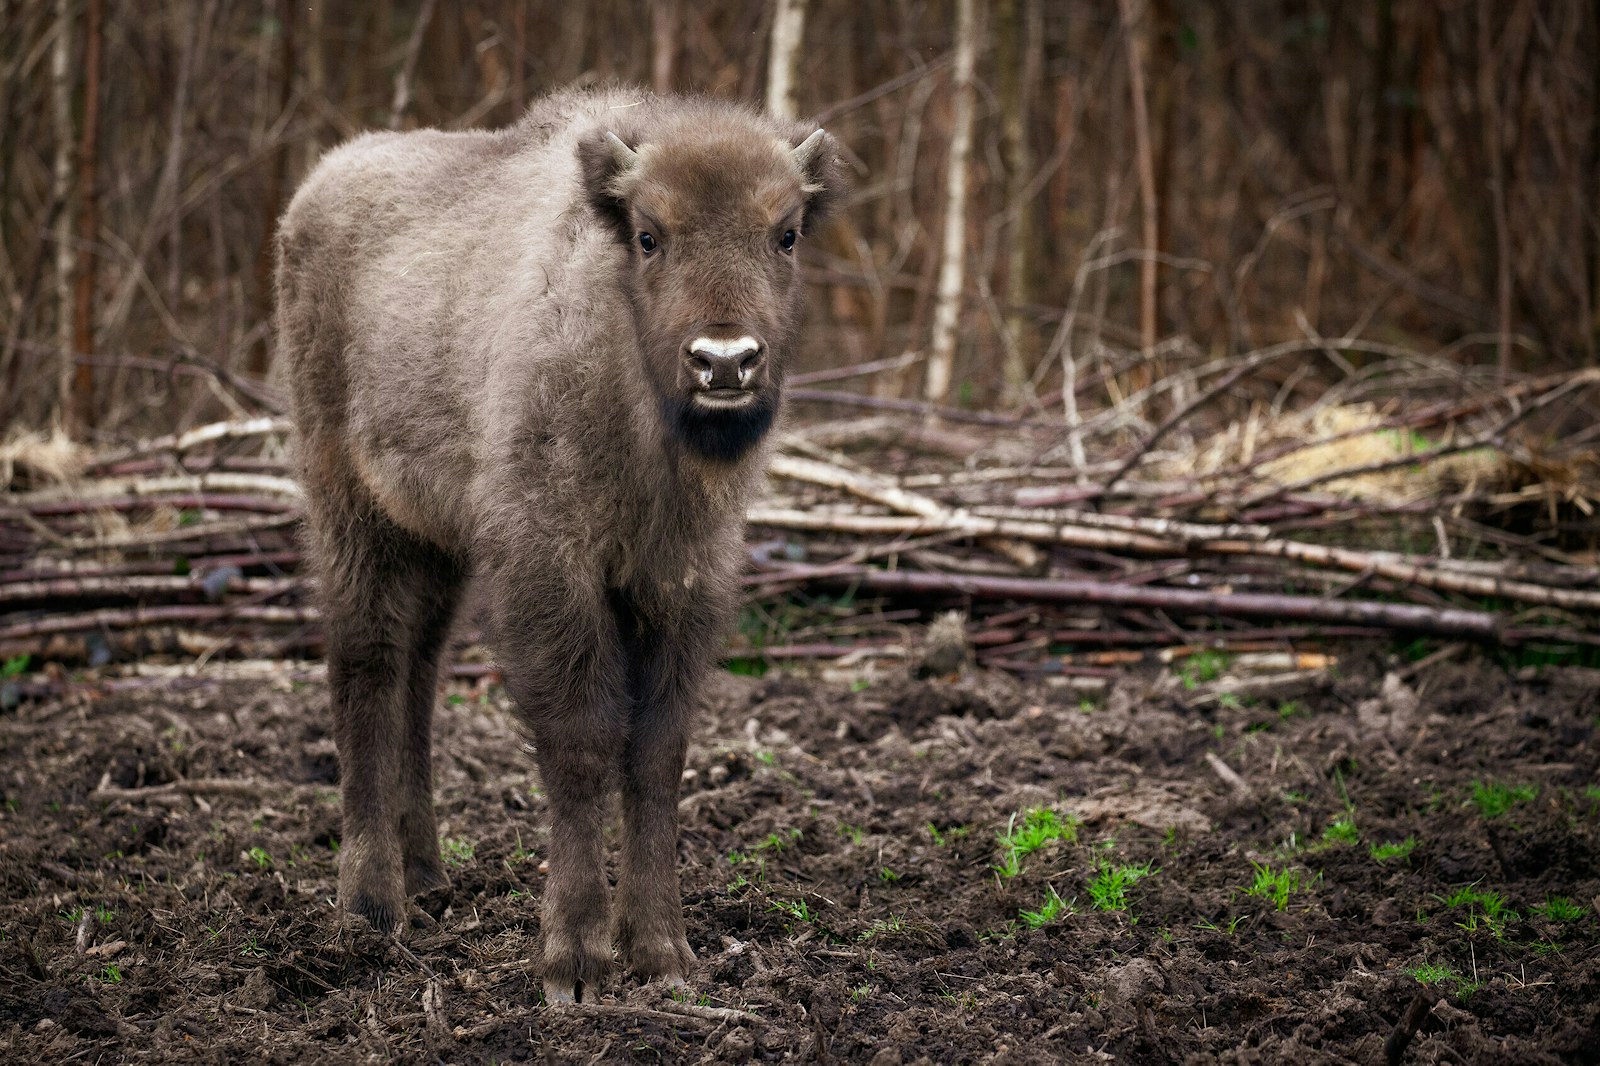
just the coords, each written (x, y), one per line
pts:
(724, 436)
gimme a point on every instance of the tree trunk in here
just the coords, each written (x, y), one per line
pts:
(666, 28)
(1135, 29)
(408, 68)
(88, 219)
(1018, 42)
(172, 168)
(1164, 95)
(259, 360)
(1494, 140)
(947, 302)
(1593, 191)
(61, 192)
(519, 57)
(783, 65)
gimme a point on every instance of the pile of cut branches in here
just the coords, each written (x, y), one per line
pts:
(1263, 538)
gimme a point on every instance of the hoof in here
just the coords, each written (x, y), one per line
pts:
(665, 959)
(425, 877)
(560, 993)
(372, 882)
(382, 914)
(575, 971)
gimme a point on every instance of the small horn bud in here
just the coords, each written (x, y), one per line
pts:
(625, 158)
(806, 150)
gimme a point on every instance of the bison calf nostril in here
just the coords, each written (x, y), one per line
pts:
(704, 370)
(748, 366)
(720, 363)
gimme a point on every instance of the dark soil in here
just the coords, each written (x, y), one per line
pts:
(839, 872)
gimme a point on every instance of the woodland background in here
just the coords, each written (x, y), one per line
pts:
(1044, 191)
(1195, 444)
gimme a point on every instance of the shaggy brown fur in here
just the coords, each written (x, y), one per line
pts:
(495, 371)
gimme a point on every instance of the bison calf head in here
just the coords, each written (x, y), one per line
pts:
(711, 213)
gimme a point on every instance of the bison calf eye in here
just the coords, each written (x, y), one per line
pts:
(647, 243)
(786, 242)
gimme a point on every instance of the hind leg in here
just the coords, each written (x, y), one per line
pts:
(439, 578)
(378, 600)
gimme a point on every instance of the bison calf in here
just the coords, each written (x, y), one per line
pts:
(546, 356)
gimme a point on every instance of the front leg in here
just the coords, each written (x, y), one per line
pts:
(564, 672)
(665, 666)
(650, 931)
(576, 761)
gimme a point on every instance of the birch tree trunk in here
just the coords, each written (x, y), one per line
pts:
(783, 65)
(952, 265)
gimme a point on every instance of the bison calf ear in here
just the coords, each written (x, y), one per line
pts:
(817, 154)
(607, 166)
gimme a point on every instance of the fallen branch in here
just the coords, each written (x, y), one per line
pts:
(667, 1013)
(207, 434)
(213, 587)
(133, 617)
(1480, 625)
(961, 522)
(221, 481)
(56, 569)
(169, 538)
(1409, 570)
(1416, 1012)
(1168, 528)
(1229, 776)
(882, 491)
(200, 786)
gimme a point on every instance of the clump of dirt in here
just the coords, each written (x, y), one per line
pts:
(936, 871)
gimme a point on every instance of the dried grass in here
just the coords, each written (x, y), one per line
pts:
(29, 460)
(1347, 438)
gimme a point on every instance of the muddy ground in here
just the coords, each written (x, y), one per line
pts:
(168, 857)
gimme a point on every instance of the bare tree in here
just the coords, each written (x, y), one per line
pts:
(952, 264)
(61, 192)
(88, 218)
(1133, 29)
(1494, 139)
(258, 361)
(666, 28)
(1018, 44)
(408, 69)
(1458, 158)
(783, 65)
